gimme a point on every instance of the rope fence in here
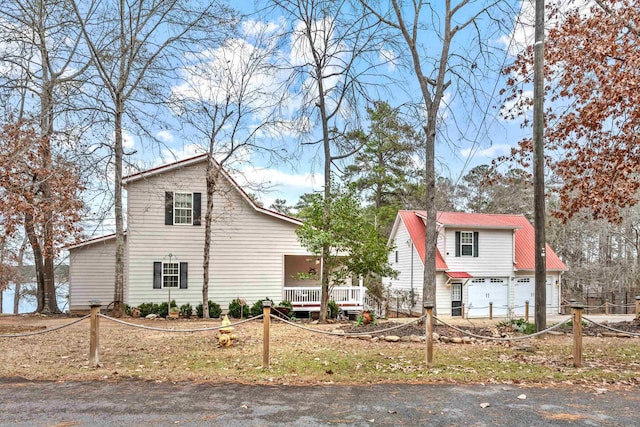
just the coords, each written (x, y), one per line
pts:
(186, 330)
(347, 334)
(429, 319)
(603, 326)
(45, 331)
(486, 338)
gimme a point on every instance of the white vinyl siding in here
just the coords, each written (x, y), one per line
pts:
(411, 273)
(92, 274)
(495, 253)
(247, 247)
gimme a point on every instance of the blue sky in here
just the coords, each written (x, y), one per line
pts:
(468, 136)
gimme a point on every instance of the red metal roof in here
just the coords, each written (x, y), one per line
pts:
(524, 234)
(416, 229)
(459, 275)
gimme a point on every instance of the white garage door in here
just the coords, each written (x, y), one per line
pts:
(482, 291)
(525, 291)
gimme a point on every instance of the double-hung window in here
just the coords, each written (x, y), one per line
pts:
(170, 275)
(182, 208)
(466, 243)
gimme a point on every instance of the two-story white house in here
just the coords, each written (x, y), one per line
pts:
(255, 252)
(480, 259)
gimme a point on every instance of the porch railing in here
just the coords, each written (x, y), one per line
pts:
(344, 296)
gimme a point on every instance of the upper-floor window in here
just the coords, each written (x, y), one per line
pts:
(467, 243)
(182, 208)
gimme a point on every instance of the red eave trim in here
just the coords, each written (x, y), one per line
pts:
(458, 275)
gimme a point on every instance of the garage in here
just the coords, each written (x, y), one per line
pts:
(482, 291)
(525, 290)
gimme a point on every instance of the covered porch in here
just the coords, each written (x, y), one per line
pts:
(302, 286)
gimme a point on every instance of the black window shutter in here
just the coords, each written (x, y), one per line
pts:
(197, 198)
(457, 243)
(157, 275)
(475, 244)
(168, 208)
(184, 273)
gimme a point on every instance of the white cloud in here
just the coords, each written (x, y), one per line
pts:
(165, 136)
(277, 184)
(172, 155)
(236, 72)
(252, 28)
(490, 152)
(388, 57)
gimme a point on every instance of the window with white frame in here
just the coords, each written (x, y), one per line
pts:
(466, 243)
(182, 208)
(170, 274)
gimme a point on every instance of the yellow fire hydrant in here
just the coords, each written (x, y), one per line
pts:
(226, 335)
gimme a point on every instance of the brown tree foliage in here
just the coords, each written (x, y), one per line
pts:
(22, 201)
(592, 67)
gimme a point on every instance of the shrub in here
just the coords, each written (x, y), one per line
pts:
(214, 310)
(257, 308)
(287, 304)
(147, 308)
(520, 325)
(333, 309)
(163, 308)
(186, 310)
(235, 307)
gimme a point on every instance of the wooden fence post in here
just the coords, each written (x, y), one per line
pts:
(606, 307)
(266, 309)
(577, 333)
(461, 310)
(526, 311)
(638, 307)
(94, 334)
(428, 306)
(490, 311)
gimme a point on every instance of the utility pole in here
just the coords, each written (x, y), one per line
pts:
(538, 171)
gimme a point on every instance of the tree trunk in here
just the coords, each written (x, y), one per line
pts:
(19, 277)
(212, 176)
(37, 259)
(118, 290)
(16, 297)
(431, 234)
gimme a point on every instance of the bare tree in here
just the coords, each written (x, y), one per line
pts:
(135, 46)
(41, 70)
(231, 101)
(427, 31)
(334, 51)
